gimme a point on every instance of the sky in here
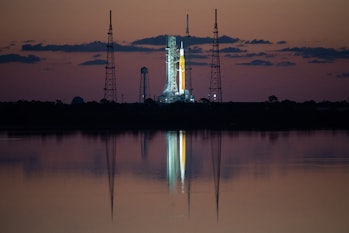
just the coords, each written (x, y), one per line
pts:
(293, 49)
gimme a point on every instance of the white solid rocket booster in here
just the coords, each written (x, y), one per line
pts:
(181, 70)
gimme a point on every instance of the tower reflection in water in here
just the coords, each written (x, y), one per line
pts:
(216, 153)
(110, 147)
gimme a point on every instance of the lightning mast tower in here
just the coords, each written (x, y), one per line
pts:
(188, 63)
(110, 79)
(215, 91)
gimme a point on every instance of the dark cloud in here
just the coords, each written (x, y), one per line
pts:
(197, 56)
(227, 40)
(96, 46)
(93, 62)
(249, 55)
(96, 55)
(30, 59)
(343, 75)
(158, 40)
(315, 61)
(90, 47)
(286, 63)
(232, 50)
(255, 41)
(195, 49)
(200, 63)
(259, 62)
(193, 40)
(328, 54)
(256, 63)
(281, 42)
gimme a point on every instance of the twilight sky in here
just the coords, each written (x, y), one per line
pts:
(294, 49)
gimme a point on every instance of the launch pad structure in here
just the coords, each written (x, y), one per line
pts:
(175, 67)
(175, 89)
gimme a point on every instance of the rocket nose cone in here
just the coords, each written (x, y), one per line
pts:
(181, 50)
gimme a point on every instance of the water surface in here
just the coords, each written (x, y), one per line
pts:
(176, 181)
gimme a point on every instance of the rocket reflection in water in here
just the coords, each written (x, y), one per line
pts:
(177, 162)
(176, 159)
(179, 166)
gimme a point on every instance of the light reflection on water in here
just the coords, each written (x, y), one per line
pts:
(176, 181)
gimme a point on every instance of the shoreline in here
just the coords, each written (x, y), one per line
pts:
(285, 115)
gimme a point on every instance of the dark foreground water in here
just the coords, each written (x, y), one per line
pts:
(177, 181)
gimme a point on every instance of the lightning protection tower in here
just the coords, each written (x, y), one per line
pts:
(110, 93)
(144, 90)
(215, 92)
(188, 60)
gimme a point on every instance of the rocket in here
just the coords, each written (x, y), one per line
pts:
(181, 70)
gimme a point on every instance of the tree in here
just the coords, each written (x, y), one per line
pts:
(273, 99)
(77, 100)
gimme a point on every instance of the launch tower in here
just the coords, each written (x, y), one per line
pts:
(110, 93)
(175, 63)
(215, 91)
(188, 60)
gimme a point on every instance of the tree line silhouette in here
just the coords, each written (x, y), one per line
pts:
(271, 114)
